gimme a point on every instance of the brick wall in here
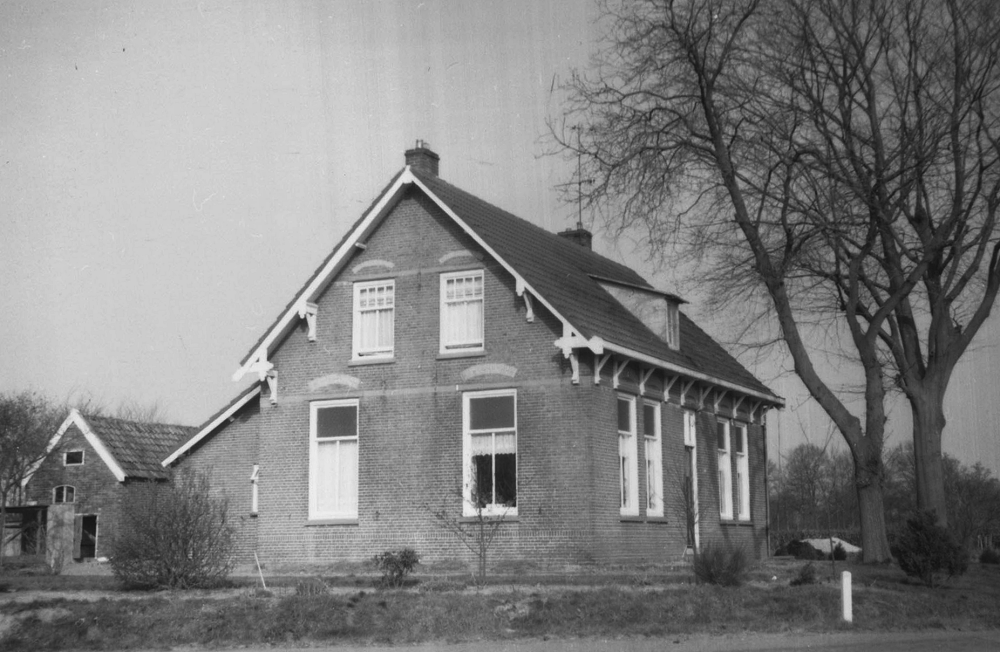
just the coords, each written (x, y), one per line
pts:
(410, 433)
(96, 490)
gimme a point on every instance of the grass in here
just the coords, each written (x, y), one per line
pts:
(442, 609)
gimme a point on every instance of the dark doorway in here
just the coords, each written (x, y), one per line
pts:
(88, 537)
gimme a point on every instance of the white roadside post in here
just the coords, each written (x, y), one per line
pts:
(845, 597)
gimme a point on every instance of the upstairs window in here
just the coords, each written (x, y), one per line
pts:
(63, 494)
(333, 460)
(628, 463)
(742, 473)
(462, 312)
(374, 316)
(72, 458)
(654, 458)
(490, 443)
(725, 471)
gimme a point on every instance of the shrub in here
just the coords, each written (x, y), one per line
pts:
(839, 554)
(989, 556)
(172, 535)
(925, 548)
(720, 565)
(807, 575)
(395, 565)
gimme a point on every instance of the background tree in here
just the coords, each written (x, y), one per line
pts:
(834, 158)
(27, 423)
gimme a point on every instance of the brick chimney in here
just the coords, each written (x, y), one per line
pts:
(422, 159)
(579, 235)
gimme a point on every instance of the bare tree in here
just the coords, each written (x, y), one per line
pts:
(827, 158)
(27, 423)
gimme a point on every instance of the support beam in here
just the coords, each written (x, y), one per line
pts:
(529, 314)
(703, 393)
(599, 362)
(272, 385)
(308, 311)
(668, 383)
(685, 388)
(574, 363)
(643, 377)
(717, 403)
(737, 402)
(619, 368)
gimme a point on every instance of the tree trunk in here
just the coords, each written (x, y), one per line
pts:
(927, 408)
(868, 474)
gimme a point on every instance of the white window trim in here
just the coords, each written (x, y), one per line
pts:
(314, 513)
(469, 508)
(375, 354)
(654, 461)
(743, 473)
(254, 483)
(691, 441)
(447, 347)
(83, 458)
(725, 472)
(64, 487)
(628, 463)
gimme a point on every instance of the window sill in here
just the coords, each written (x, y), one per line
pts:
(631, 518)
(735, 523)
(332, 521)
(363, 362)
(452, 355)
(512, 518)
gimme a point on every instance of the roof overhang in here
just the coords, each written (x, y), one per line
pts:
(212, 425)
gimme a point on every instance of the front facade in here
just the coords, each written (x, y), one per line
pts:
(77, 488)
(451, 362)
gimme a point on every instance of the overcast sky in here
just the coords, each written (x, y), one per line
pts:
(172, 172)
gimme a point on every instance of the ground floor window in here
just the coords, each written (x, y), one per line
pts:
(333, 460)
(628, 463)
(725, 470)
(654, 458)
(489, 425)
(742, 472)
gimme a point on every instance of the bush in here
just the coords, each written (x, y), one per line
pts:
(839, 554)
(924, 548)
(989, 556)
(807, 575)
(172, 535)
(720, 565)
(395, 565)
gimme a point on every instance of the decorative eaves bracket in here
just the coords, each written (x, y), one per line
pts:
(572, 340)
(720, 395)
(522, 291)
(265, 372)
(668, 383)
(599, 362)
(308, 311)
(643, 377)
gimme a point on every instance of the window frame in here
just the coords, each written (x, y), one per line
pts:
(653, 449)
(691, 443)
(673, 325)
(64, 487)
(628, 461)
(725, 470)
(446, 347)
(742, 483)
(469, 508)
(83, 457)
(314, 443)
(376, 353)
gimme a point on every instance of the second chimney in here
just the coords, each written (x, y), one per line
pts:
(422, 159)
(580, 236)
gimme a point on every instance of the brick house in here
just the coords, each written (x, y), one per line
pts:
(451, 358)
(76, 490)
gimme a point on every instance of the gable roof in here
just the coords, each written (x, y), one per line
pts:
(210, 426)
(560, 274)
(130, 449)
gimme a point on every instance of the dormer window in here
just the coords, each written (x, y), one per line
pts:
(673, 325)
(72, 458)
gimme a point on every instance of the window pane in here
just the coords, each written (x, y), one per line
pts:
(327, 462)
(624, 415)
(347, 476)
(720, 429)
(649, 420)
(491, 412)
(739, 439)
(482, 475)
(505, 443)
(74, 457)
(506, 479)
(482, 444)
(341, 421)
